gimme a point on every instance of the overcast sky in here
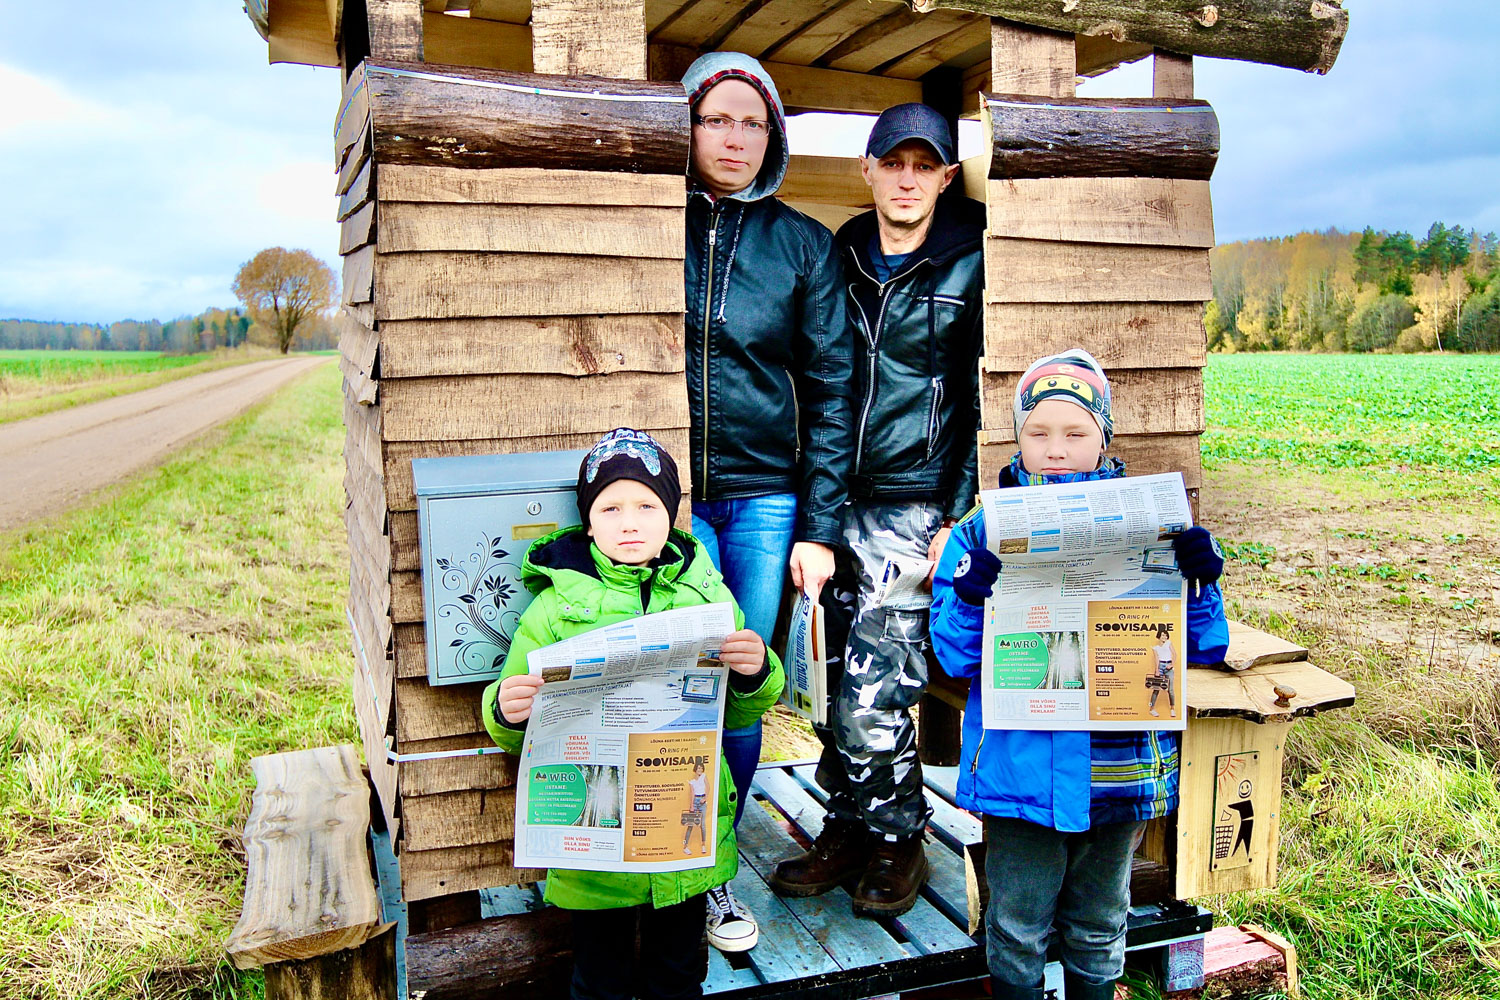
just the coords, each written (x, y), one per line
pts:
(147, 149)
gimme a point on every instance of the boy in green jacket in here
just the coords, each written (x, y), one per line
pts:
(626, 560)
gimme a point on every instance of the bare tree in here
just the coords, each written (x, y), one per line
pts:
(281, 288)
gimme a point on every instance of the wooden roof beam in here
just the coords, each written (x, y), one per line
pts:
(1297, 34)
(805, 88)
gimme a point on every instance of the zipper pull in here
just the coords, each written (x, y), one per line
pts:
(713, 232)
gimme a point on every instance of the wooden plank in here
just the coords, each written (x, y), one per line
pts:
(1115, 137)
(615, 231)
(427, 874)
(353, 162)
(384, 775)
(395, 29)
(436, 116)
(1171, 75)
(449, 285)
(358, 194)
(354, 111)
(1118, 334)
(530, 186)
(455, 774)
(476, 41)
(589, 37)
(1251, 694)
(941, 51)
(772, 22)
(889, 38)
(359, 276)
(424, 712)
(1029, 60)
(1294, 33)
(457, 819)
(828, 180)
(1250, 647)
(358, 230)
(364, 973)
(308, 891)
(401, 495)
(1143, 455)
(1098, 54)
(560, 345)
(1145, 401)
(830, 216)
(447, 408)
(411, 640)
(406, 602)
(1154, 211)
(1043, 271)
(826, 31)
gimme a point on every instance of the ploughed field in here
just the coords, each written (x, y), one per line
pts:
(150, 645)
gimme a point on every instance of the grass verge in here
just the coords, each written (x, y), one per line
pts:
(148, 648)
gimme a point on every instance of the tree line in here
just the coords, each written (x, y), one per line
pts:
(210, 329)
(1362, 292)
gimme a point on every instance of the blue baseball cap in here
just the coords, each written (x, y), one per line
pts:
(911, 121)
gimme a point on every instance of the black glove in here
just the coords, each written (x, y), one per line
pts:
(1198, 555)
(975, 576)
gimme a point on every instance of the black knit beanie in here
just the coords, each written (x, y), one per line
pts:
(628, 454)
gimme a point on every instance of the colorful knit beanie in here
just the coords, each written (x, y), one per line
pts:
(1073, 375)
(628, 454)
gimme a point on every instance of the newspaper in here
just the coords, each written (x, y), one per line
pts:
(806, 663)
(620, 764)
(1087, 626)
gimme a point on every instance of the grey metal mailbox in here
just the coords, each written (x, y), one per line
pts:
(477, 515)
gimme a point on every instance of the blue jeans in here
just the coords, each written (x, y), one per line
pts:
(749, 542)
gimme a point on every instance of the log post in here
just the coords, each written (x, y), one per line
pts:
(1025, 60)
(395, 29)
(589, 38)
(1171, 75)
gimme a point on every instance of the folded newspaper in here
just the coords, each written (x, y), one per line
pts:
(806, 663)
(1086, 628)
(620, 762)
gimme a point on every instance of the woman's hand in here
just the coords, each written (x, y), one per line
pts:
(743, 652)
(811, 565)
(516, 694)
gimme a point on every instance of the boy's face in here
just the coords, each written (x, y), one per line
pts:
(1060, 437)
(629, 522)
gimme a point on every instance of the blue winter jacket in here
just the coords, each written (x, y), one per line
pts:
(1067, 781)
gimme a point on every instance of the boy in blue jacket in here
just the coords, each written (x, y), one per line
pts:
(1063, 811)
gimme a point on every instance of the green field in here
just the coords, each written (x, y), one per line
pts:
(151, 645)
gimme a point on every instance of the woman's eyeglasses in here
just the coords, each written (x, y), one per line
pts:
(753, 128)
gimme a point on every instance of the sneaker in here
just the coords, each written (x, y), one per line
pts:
(731, 927)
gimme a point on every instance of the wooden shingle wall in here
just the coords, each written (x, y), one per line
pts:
(503, 293)
(1100, 225)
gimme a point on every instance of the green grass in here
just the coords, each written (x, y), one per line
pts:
(36, 382)
(148, 648)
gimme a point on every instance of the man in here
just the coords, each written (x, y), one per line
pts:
(768, 362)
(914, 268)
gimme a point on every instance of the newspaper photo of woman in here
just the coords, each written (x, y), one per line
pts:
(1162, 679)
(696, 818)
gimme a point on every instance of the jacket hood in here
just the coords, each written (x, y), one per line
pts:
(710, 69)
(567, 559)
(957, 228)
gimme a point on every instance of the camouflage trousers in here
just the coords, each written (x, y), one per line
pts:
(877, 669)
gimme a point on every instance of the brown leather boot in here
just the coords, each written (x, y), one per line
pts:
(897, 871)
(841, 851)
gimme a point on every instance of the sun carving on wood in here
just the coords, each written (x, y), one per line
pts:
(476, 599)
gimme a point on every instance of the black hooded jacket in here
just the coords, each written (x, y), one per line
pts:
(918, 340)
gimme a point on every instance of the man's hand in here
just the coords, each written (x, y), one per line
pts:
(516, 694)
(743, 652)
(811, 565)
(974, 579)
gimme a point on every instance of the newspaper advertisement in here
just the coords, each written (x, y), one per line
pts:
(1087, 625)
(806, 663)
(619, 768)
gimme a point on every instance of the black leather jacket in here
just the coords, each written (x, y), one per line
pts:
(916, 376)
(768, 359)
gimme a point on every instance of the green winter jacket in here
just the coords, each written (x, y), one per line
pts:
(578, 589)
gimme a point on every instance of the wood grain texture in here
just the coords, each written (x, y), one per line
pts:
(448, 116)
(1250, 647)
(442, 285)
(1044, 271)
(476, 41)
(359, 276)
(1250, 693)
(1118, 334)
(589, 38)
(529, 186)
(615, 231)
(1151, 211)
(1143, 455)
(1113, 137)
(354, 161)
(828, 180)
(457, 774)
(358, 230)
(424, 712)
(560, 345)
(395, 29)
(449, 408)
(1171, 75)
(1298, 34)
(364, 973)
(457, 819)
(358, 194)
(384, 775)
(1144, 401)
(308, 891)
(1030, 60)
(426, 874)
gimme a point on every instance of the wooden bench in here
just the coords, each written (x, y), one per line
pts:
(311, 914)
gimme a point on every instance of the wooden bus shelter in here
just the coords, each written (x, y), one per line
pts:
(511, 185)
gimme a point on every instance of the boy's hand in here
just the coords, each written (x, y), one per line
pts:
(516, 694)
(1198, 555)
(975, 577)
(743, 652)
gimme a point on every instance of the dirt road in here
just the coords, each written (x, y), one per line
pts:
(51, 462)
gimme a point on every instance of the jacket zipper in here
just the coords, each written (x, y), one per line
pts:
(932, 418)
(872, 337)
(708, 303)
(974, 764)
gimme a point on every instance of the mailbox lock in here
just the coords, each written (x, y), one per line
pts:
(1284, 695)
(533, 508)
